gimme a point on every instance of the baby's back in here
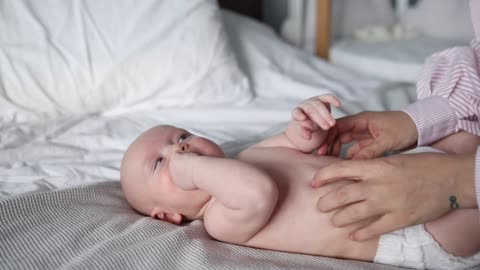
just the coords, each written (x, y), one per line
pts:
(296, 225)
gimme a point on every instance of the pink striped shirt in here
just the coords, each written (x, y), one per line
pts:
(448, 90)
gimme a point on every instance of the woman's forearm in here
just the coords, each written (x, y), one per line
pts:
(477, 177)
(464, 174)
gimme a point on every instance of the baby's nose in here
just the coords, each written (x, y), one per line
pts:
(183, 147)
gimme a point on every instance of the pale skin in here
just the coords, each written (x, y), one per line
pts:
(402, 190)
(262, 199)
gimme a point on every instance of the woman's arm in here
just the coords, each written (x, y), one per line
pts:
(449, 90)
(400, 190)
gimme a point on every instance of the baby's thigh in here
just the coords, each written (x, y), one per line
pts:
(458, 232)
(458, 143)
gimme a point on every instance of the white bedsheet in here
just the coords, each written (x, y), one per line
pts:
(68, 152)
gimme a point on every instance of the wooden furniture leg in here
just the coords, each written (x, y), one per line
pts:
(324, 9)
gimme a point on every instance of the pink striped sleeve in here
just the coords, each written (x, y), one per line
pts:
(448, 90)
(434, 118)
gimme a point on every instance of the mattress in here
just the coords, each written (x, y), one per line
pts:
(42, 159)
(393, 60)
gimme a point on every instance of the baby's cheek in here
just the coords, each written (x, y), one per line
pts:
(210, 148)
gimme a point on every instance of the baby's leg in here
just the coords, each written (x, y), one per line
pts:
(458, 143)
(457, 232)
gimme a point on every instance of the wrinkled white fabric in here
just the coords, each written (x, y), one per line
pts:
(60, 58)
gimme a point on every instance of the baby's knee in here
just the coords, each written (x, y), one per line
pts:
(458, 232)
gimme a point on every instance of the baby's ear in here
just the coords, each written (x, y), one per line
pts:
(158, 214)
(174, 218)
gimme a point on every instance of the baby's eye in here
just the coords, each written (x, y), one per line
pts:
(182, 138)
(158, 162)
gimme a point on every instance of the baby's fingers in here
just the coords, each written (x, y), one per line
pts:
(308, 124)
(318, 113)
(298, 114)
(322, 150)
(301, 129)
(331, 99)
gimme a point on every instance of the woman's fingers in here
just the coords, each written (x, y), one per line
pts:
(353, 150)
(373, 150)
(332, 142)
(342, 196)
(366, 149)
(355, 213)
(335, 148)
(383, 225)
(347, 169)
(353, 123)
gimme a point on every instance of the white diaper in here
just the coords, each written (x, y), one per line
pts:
(414, 247)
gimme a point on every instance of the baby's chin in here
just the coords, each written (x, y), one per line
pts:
(197, 205)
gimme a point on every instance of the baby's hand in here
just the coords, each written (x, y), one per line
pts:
(181, 169)
(309, 122)
(314, 113)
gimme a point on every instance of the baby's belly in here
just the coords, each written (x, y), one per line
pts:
(297, 226)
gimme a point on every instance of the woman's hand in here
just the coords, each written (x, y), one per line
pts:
(375, 133)
(397, 191)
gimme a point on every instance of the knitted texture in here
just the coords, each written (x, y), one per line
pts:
(93, 227)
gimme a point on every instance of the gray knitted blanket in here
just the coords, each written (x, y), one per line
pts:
(92, 227)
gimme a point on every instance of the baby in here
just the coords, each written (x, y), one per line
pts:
(264, 197)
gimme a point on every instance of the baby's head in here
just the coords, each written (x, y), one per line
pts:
(146, 180)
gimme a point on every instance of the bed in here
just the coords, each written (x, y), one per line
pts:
(61, 142)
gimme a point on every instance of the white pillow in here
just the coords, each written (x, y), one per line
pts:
(63, 57)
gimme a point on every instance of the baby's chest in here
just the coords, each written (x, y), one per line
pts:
(285, 166)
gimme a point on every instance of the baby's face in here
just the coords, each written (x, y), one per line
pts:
(146, 180)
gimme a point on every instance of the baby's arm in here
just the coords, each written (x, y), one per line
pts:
(308, 129)
(244, 196)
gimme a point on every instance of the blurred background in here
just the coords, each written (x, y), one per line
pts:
(387, 39)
